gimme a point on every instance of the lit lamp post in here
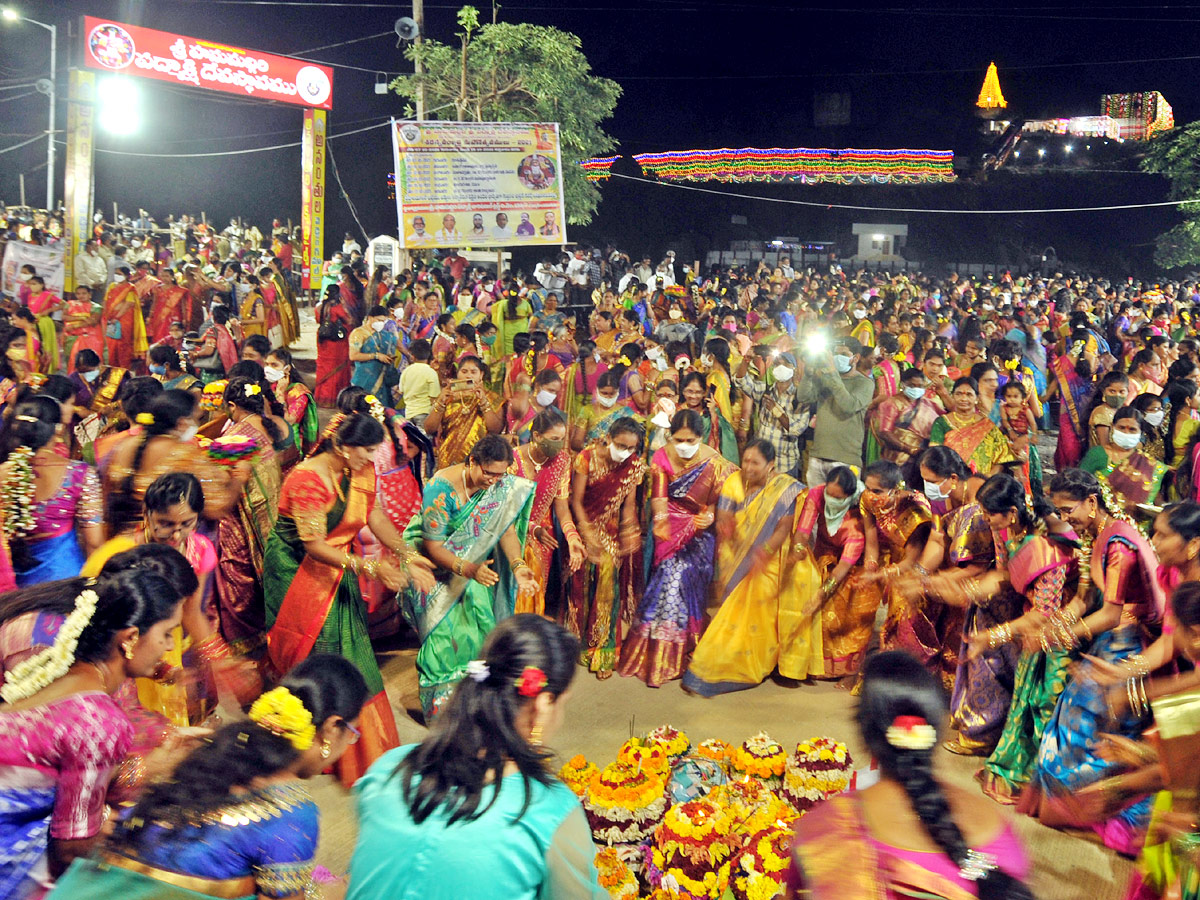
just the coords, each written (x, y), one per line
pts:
(11, 15)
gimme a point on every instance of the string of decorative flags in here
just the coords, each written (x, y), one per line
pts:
(801, 164)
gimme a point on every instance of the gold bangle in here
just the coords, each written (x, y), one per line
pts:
(459, 565)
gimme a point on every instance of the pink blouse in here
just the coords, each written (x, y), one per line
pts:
(77, 500)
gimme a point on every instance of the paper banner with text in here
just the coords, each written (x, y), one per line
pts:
(46, 261)
(478, 184)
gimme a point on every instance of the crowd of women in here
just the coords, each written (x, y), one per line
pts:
(733, 478)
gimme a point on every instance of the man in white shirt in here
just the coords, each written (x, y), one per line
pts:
(577, 275)
(502, 231)
(90, 269)
(550, 275)
(643, 271)
(351, 244)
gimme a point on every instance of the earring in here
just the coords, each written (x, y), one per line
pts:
(127, 649)
(535, 735)
(326, 750)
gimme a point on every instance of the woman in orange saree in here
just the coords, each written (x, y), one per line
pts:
(124, 327)
(547, 463)
(310, 577)
(970, 433)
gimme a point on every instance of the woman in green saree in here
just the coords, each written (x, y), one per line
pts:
(468, 510)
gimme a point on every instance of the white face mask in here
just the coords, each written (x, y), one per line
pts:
(843, 363)
(914, 393)
(1125, 441)
(378, 326)
(606, 402)
(118, 278)
(654, 353)
(618, 455)
(189, 433)
(675, 314)
(687, 451)
(934, 491)
(545, 398)
(272, 374)
(1155, 418)
(860, 313)
(91, 376)
(783, 373)
(23, 276)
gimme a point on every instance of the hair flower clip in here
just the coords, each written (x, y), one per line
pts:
(911, 733)
(531, 682)
(144, 418)
(478, 671)
(252, 389)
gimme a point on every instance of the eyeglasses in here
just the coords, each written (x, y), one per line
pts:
(1064, 513)
(355, 734)
(492, 476)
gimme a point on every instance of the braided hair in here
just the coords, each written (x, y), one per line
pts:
(895, 684)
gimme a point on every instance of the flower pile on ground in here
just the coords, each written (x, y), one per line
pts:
(820, 768)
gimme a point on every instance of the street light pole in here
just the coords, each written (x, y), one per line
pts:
(13, 16)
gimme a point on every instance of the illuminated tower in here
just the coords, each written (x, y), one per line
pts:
(991, 100)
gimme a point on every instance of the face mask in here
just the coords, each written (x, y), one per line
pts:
(488, 340)
(378, 326)
(1155, 418)
(17, 353)
(118, 278)
(732, 328)
(914, 393)
(273, 375)
(545, 398)
(843, 363)
(860, 314)
(654, 353)
(934, 491)
(687, 451)
(618, 455)
(606, 402)
(1115, 401)
(23, 276)
(783, 373)
(189, 433)
(596, 356)
(551, 448)
(675, 314)
(158, 370)
(1123, 440)
(90, 376)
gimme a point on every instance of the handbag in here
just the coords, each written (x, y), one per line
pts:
(113, 329)
(330, 331)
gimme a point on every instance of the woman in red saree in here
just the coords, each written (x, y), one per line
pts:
(908, 835)
(1073, 382)
(333, 352)
(81, 326)
(310, 577)
(167, 306)
(124, 328)
(547, 463)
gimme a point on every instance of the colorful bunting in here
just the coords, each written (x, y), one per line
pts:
(598, 168)
(802, 164)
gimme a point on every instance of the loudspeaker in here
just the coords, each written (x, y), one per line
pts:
(406, 29)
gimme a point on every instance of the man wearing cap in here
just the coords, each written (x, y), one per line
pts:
(779, 417)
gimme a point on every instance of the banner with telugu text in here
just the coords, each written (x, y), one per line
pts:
(312, 196)
(79, 177)
(478, 184)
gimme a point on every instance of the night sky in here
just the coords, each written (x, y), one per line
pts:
(695, 74)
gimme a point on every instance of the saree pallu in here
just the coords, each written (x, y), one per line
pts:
(1165, 873)
(553, 482)
(26, 804)
(1074, 393)
(48, 335)
(909, 425)
(313, 607)
(603, 594)
(453, 619)
(1067, 761)
(53, 558)
(888, 378)
(1136, 479)
(241, 539)
(719, 435)
(983, 687)
(597, 422)
(462, 427)
(670, 615)
(759, 606)
(981, 444)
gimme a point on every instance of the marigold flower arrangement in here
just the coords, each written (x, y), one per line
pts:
(820, 768)
(614, 876)
(714, 749)
(752, 807)
(283, 713)
(757, 872)
(577, 773)
(624, 804)
(638, 753)
(674, 742)
(760, 757)
(693, 846)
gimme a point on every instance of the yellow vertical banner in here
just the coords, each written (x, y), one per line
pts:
(79, 184)
(312, 196)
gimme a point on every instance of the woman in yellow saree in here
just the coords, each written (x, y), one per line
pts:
(464, 412)
(758, 624)
(970, 433)
(310, 577)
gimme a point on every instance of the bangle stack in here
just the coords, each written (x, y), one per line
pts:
(459, 565)
(1135, 686)
(999, 636)
(517, 564)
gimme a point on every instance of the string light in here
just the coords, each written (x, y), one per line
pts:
(808, 166)
(598, 168)
(1148, 111)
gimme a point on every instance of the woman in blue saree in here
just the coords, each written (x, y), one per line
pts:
(468, 510)
(373, 352)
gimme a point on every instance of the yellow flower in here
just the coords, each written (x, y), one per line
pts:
(283, 713)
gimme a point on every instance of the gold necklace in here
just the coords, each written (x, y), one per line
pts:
(102, 671)
(961, 420)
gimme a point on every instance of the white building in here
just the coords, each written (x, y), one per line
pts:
(880, 242)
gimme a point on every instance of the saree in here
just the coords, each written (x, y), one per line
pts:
(718, 427)
(53, 548)
(670, 615)
(887, 381)
(758, 623)
(1074, 393)
(553, 480)
(1125, 565)
(1038, 569)
(454, 617)
(241, 539)
(125, 332)
(604, 592)
(596, 421)
(313, 607)
(301, 405)
(836, 858)
(333, 356)
(981, 444)
(1135, 479)
(78, 334)
(168, 307)
(848, 617)
(983, 687)
(462, 427)
(373, 376)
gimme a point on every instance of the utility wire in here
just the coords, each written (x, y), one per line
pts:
(350, 203)
(905, 209)
(22, 144)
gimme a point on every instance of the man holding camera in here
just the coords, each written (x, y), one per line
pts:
(842, 395)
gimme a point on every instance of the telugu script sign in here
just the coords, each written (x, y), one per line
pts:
(478, 184)
(147, 53)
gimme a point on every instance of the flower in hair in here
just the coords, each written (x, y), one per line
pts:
(144, 418)
(283, 713)
(911, 733)
(531, 682)
(478, 671)
(252, 389)
(37, 672)
(625, 361)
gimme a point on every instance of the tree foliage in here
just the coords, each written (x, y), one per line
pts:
(519, 73)
(1176, 155)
